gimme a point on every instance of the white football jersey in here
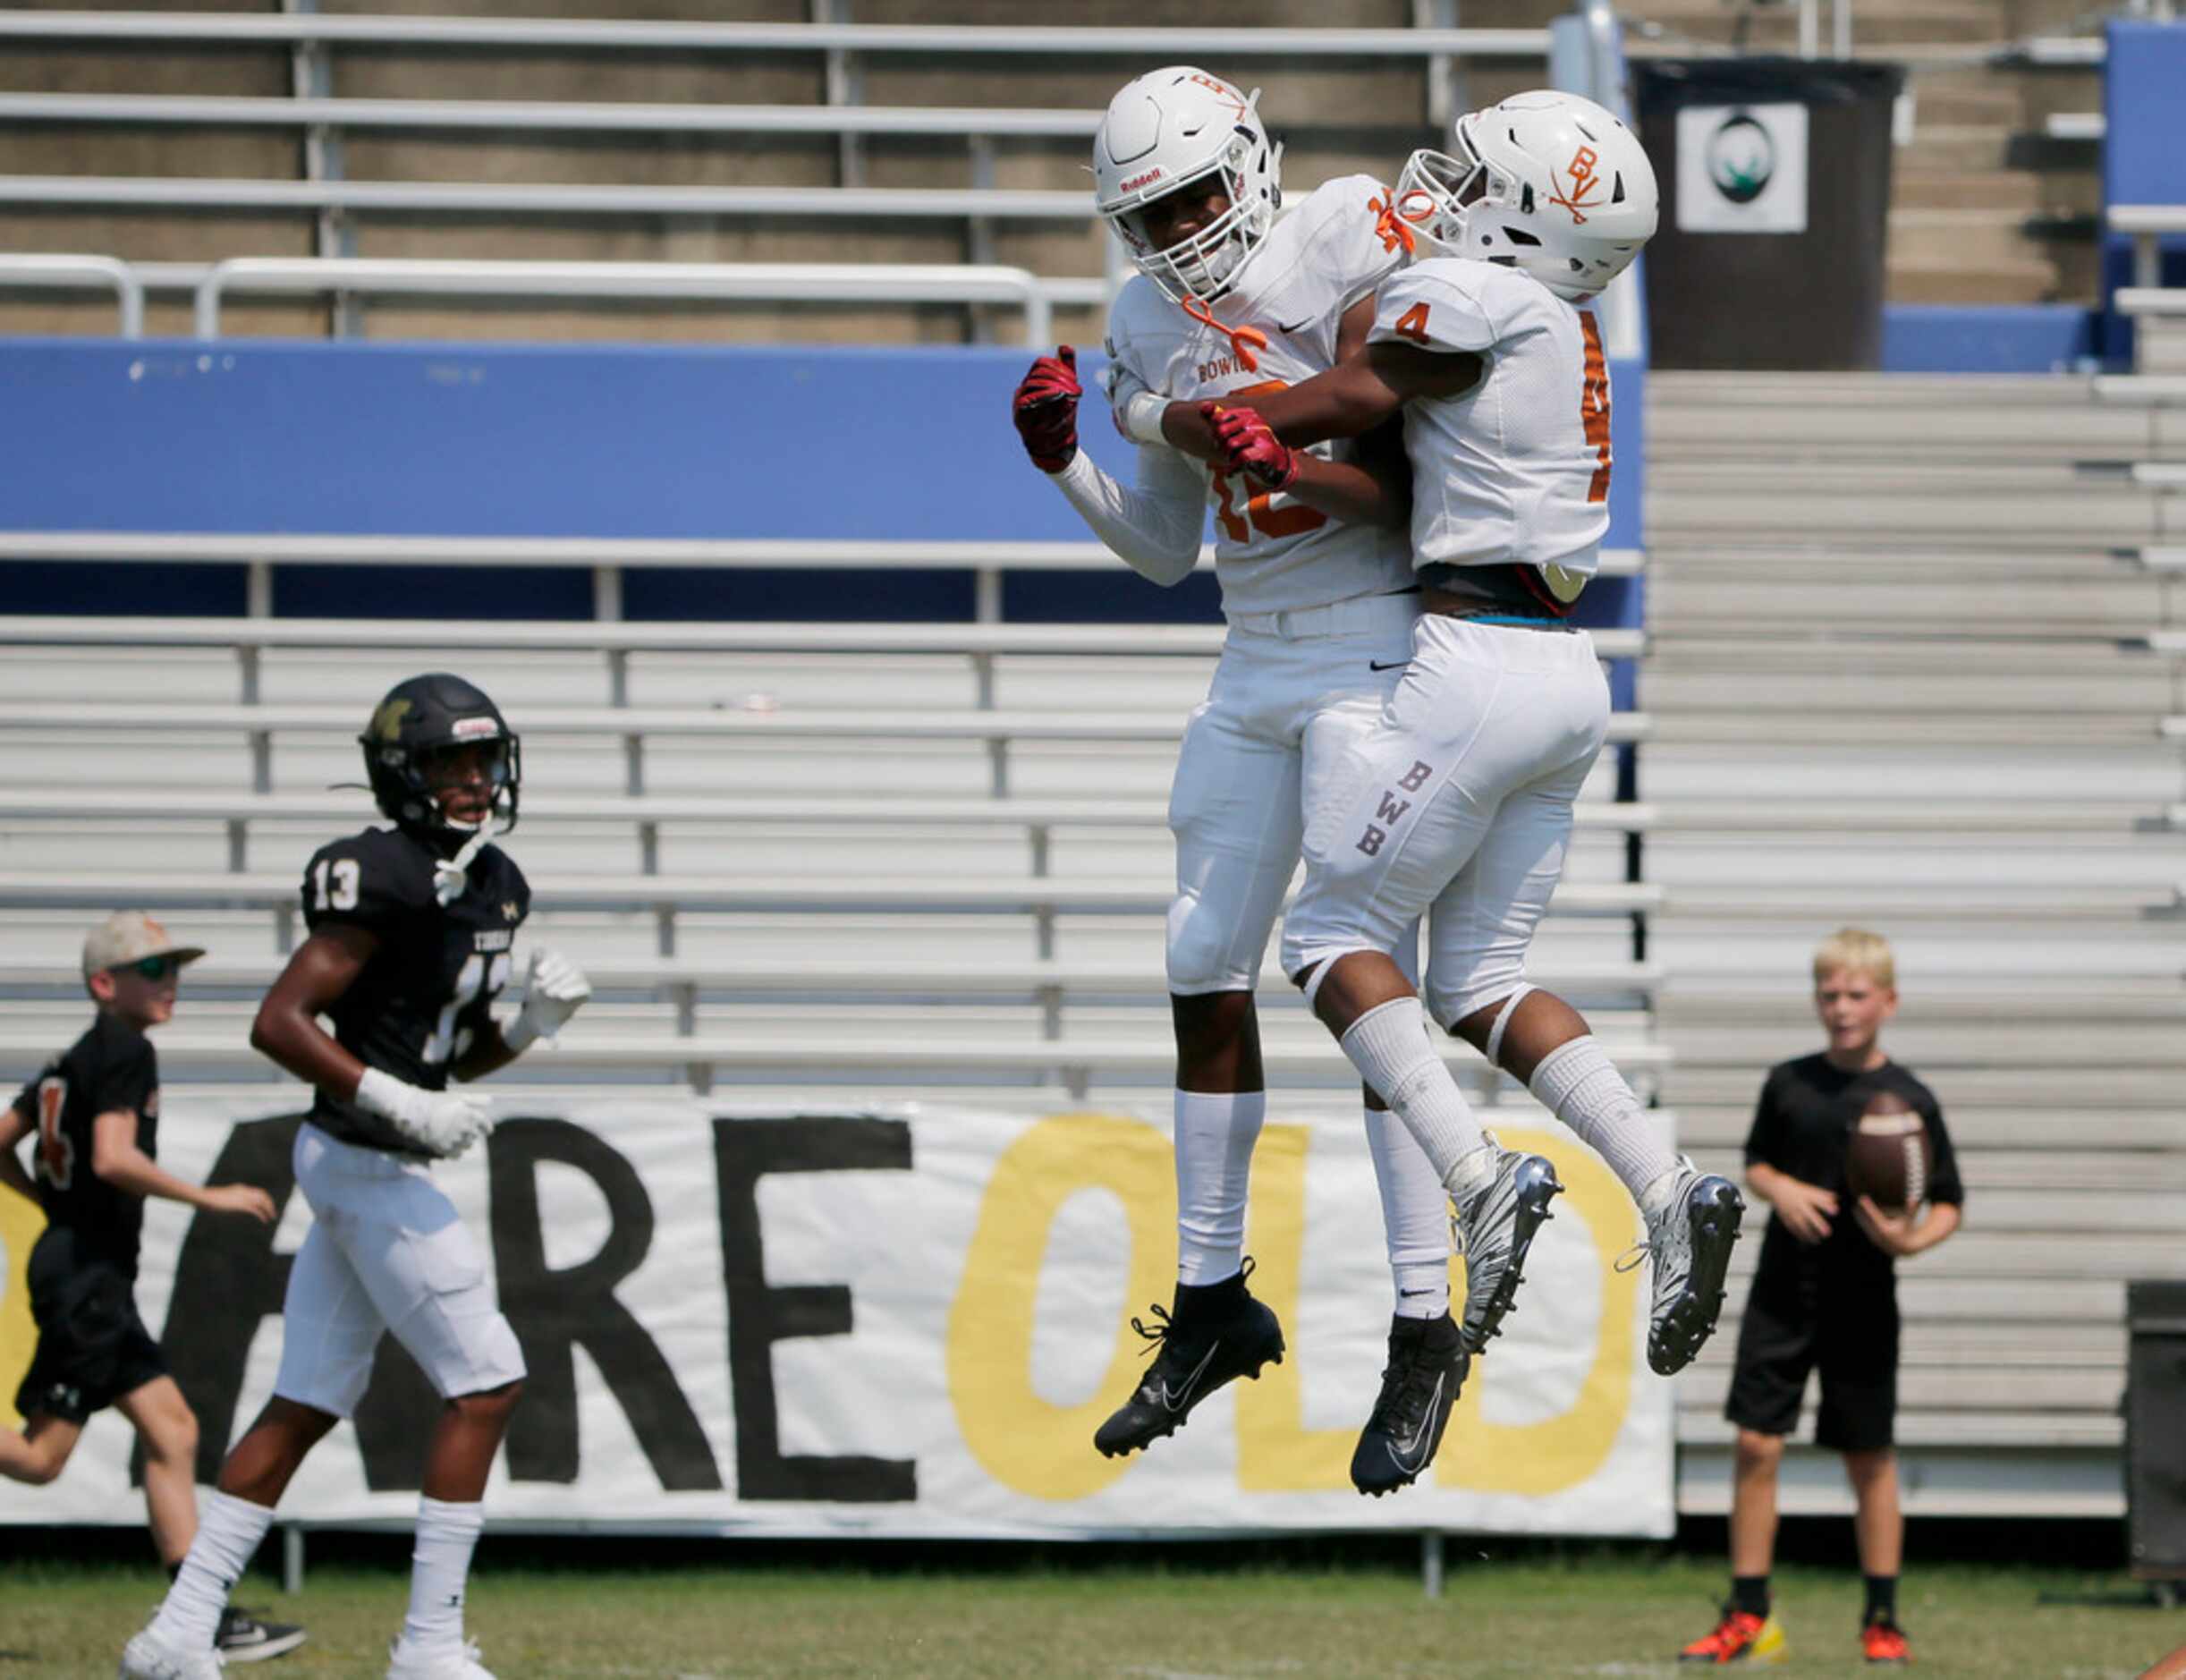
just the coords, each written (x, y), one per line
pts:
(1273, 553)
(1517, 469)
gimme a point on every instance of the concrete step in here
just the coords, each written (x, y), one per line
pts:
(1964, 237)
(2019, 191)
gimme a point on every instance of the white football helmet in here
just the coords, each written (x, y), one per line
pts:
(1171, 128)
(1546, 182)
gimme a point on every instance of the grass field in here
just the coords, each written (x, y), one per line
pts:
(1609, 1612)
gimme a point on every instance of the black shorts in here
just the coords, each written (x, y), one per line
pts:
(1855, 1347)
(92, 1347)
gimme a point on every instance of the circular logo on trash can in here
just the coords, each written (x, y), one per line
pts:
(1742, 157)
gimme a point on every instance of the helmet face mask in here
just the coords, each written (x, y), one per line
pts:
(408, 755)
(1180, 131)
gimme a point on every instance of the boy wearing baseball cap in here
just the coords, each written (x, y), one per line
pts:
(94, 1111)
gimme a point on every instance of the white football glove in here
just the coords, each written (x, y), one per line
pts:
(443, 1123)
(1136, 406)
(554, 989)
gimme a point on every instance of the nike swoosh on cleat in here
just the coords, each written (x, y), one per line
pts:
(1177, 1399)
(1406, 1453)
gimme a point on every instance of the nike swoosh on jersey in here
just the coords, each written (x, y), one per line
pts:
(1408, 1454)
(1176, 1400)
(1296, 326)
(1394, 665)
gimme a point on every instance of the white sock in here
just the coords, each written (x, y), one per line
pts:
(448, 1534)
(1577, 1082)
(1416, 1214)
(1215, 1134)
(229, 1530)
(1388, 1045)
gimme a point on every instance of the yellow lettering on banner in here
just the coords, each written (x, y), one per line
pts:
(20, 1221)
(1025, 1442)
(1275, 1451)
(1562, 1451)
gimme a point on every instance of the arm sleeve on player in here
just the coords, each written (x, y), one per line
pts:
(363, 886)
(1943, 1184)
(1764, 1142)
(1416, 306)
(1154, 527)
(121, 1076)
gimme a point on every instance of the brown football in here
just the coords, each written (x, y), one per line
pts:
(1890, 1157)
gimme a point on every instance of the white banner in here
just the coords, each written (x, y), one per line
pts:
(900, 1322)
(1741, 169)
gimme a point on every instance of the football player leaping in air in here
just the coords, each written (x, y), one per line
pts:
(411, 931)
(1458, 804)
(1231, 301)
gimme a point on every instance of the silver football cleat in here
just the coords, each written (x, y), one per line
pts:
(1691, 1239)
(1494, 1228)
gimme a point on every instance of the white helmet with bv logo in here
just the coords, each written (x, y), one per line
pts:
(1176, 128)
(1546, 182)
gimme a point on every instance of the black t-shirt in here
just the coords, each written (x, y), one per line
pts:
(111, 1067)
(428, 989)
(1802, 1126)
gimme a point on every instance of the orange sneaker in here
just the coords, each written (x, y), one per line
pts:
(1740, 1637)
(1884, 1641)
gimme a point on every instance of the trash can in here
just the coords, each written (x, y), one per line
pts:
(1776, 204)
(2156, 1428)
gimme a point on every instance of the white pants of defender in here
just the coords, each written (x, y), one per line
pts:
(1458, 806)
(1293, 696)
(386, 1252)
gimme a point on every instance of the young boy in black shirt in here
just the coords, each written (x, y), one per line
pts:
(1826, 1295)
(94, 1111)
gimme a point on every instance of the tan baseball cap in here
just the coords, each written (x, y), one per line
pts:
(129, 935)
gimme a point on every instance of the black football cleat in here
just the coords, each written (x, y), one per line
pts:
(242, 1638)
(1216, 1334)
(1427, 1363)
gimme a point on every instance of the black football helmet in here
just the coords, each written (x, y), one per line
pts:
(430, 713)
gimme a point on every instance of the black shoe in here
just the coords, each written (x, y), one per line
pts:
(1427, 1363)
(241, 1637)
(1216, 1334)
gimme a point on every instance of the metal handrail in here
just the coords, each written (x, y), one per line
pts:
(2146, 225)
(1150, 44)
(489, 197)
(831, 282)
(42, 270)
(574, 117)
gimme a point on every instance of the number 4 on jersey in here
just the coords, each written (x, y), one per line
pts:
(1594, 407)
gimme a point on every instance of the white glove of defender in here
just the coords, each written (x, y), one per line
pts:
(554, 989)
(443, 1123)
(1136, 406)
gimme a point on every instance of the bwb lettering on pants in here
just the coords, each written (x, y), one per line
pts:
(1391, 808)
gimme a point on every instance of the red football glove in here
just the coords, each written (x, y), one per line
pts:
(1046, 409)
(1249, 446)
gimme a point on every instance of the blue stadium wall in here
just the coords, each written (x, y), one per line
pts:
(259, 436)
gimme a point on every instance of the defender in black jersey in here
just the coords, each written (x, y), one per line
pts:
(412, 930)
(93, 1115)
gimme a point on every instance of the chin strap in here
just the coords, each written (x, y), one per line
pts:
(1243, 340)
(451, 875)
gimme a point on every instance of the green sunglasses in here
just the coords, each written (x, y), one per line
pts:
(152, 968)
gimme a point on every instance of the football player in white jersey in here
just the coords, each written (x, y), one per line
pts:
(1232, 301)
(1459, 805)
